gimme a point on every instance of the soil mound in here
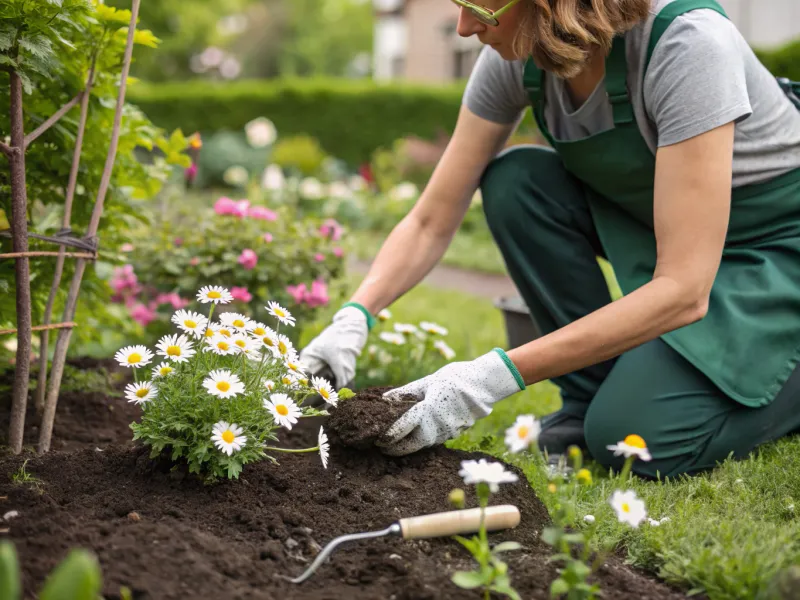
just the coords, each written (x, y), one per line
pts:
(358, 422)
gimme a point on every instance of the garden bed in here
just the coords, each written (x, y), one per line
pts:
(165, 535)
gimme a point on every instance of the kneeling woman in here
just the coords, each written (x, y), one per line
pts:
(675, 155)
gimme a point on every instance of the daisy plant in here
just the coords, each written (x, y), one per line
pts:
(215, 393)
(573, 538)
(491, 576)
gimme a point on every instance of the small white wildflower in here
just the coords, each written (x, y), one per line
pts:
(228, 438)
(283, 410)
(481, 471)
(191, 322)
(324, 448)
(629, 508)
(223, 384)
(325, 389)
(214, 294)
(632, 445)
(175, 348)
(139, 393)
(280, 313)
(432, 328)
(163, 370)
(134, 356)
(524, 432)
(398, 339)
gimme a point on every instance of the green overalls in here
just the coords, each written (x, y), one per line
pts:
(722, 385)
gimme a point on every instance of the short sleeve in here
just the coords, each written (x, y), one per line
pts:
(495, 91)
(696, 79)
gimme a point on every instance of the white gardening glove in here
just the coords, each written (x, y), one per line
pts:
(338, 346)
(450, 400)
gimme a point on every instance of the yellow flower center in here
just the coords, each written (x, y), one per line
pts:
(214, 295)
(165, 371)
(522, 432)
(286, 381)
(225, 332)
(222, 346)
(282, 410)
(282, 348)
(303, 382)
(584, 476)
(279, 312)
(551, 488)
(223, 386)
(238, 323)
(134, 358)
(324, 393)
(190, 324)
(173, 350)
(626, 508)
(209, 333)
(635, 440)
(227, 436)
(268, 341)
(292, 367)
(259, 331)
(240, 343)
(142, 392)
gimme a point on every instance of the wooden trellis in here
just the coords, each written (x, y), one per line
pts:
(47, 391)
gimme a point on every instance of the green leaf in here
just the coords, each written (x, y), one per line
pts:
(503, 586)
(7, 60)
(472, 545)
(559, 587)
(506, 547)
(469, 580)
(7, 34)
(551, 535)
(234, 468)
(574, 538)
(78, 577)
(10, 586)
(345, 393)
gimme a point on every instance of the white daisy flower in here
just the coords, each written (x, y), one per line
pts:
(223, 384)
(163, 370)
(481, 471)
(175, 348)
(405, 328)
(258, 329)
(632, 445)
(134, 356)
(236, 321)
(432, 328)
(244, 344)
(139, 393)
(372, 350)
(446, 351)
(214, 293)
(280, 313)
(283, 410)
(191, 322)
(268, 339)
(221, 345)
(398, 339)
(291, 381)
(270, 385)
(220, 329)
(324, 447)
(323, 387)
(284, 347)
(293, 365)
(384, 315)
(589, 519)
(524, 432)
(228, 438)
(629, 508)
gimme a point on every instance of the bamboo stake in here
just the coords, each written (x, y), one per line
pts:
(19, 230)
(44, 340)
(62, 342)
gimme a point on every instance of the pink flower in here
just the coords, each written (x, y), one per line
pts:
(125, 280)
(248, 259)
(240, 208)
(267, 237)
(190, 173)
(241, 294)
(297, 292)
(177, 242)
(126, 248)
(263, 213)
(142, 315)
(330, 228)
(194, 261)
(318, 296)
(319, 257)
(338, 252)
(224, 206)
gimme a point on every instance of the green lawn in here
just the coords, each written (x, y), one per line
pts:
(729, 532)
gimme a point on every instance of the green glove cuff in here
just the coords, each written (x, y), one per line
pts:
(511, 367)
(370, 318)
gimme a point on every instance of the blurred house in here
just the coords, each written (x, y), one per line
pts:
(416, 40)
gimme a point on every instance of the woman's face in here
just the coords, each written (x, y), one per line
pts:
(499, 37)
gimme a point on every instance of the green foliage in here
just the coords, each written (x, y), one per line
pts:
(783, 61)
(54, 44)
(77, 577)
(188, 246)
(349, 118)
(182, 405)
(301, 153)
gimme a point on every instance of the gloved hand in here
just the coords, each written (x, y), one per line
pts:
(450, 400)
(339, 345)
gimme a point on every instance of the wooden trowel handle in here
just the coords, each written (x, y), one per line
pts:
(459, 522)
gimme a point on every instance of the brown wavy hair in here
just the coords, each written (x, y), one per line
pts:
(559, 34)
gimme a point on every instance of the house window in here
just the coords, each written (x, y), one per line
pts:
(463, 61)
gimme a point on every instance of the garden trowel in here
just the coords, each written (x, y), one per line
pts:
(457, 522)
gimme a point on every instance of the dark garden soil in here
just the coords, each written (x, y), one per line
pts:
(165, 535)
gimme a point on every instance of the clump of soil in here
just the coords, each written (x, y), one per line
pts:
(360, 421)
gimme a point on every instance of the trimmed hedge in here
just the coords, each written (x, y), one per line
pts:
(784, 61)
(350, 118)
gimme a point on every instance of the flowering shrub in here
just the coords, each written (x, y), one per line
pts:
(402, 352)
(214, 393)
(253, 250)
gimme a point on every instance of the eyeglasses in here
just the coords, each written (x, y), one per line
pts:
(485, 15)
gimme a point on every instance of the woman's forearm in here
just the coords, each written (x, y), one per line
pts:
(660, 306)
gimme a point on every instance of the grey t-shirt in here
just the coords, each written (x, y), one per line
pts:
(702, 74)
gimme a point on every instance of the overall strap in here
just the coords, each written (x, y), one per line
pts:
(616, 82)
(669, 13)
(533, 81)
